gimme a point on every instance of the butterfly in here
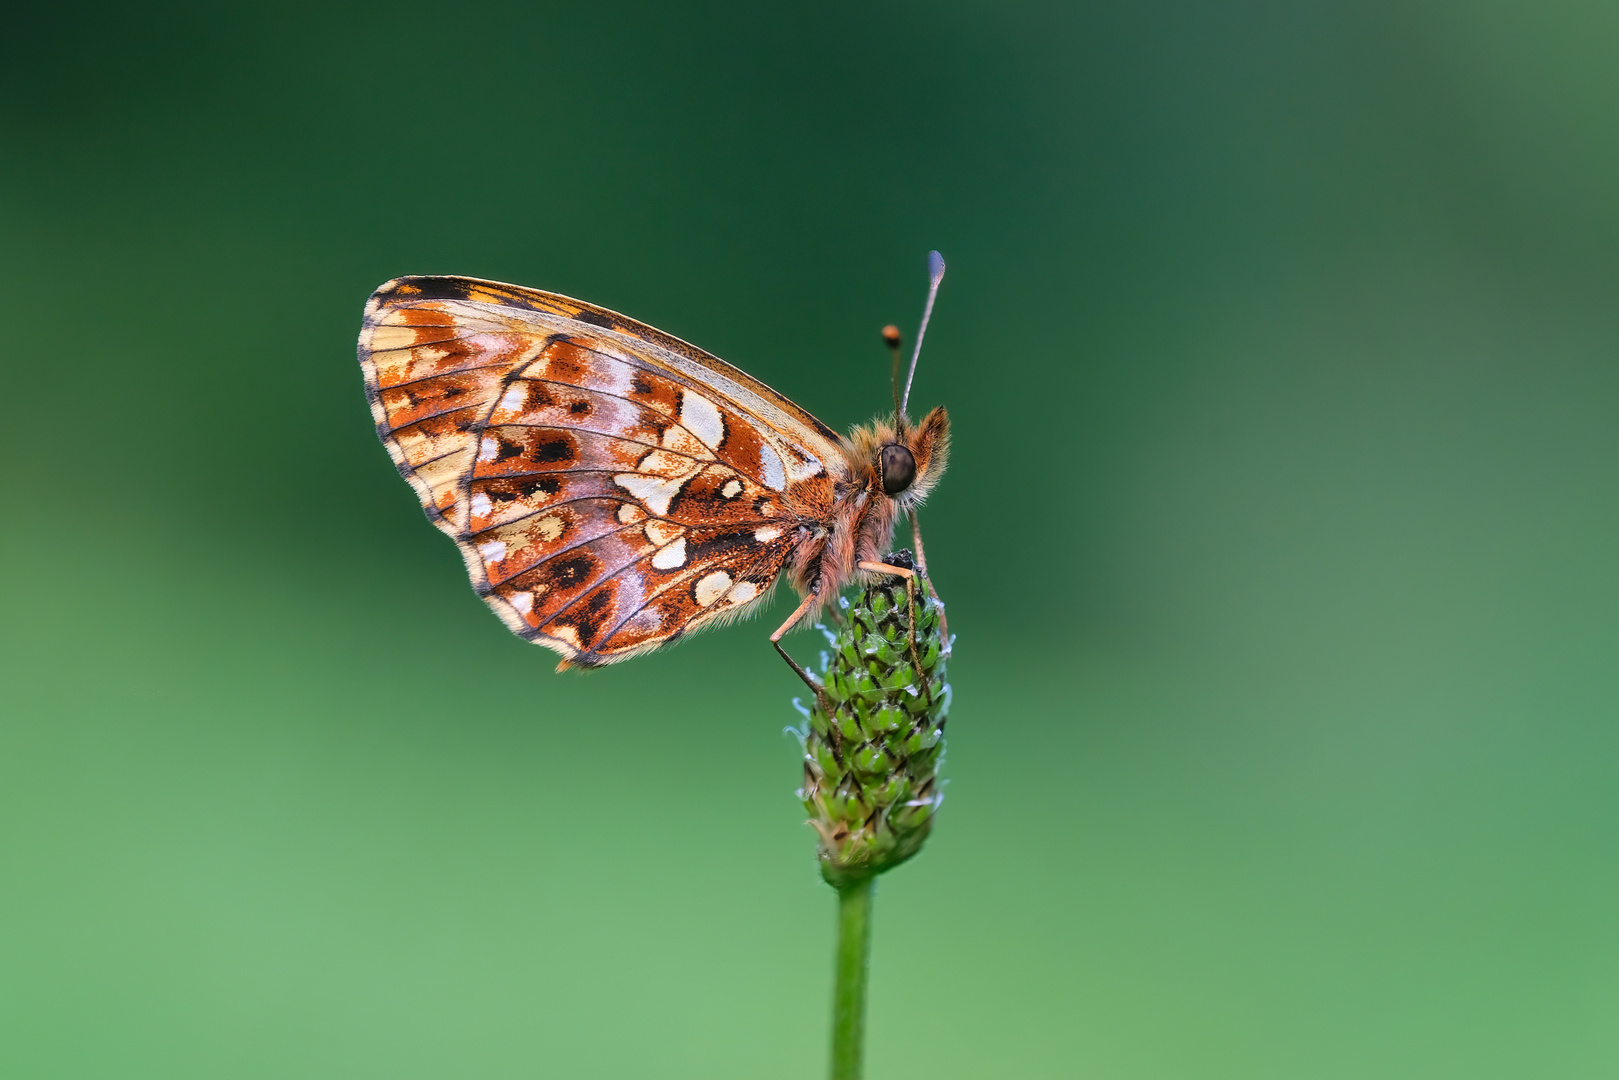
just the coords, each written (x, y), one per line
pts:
(612, 488)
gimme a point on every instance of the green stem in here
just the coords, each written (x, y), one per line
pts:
(849, 993)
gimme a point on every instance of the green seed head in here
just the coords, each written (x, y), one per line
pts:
(875, 737)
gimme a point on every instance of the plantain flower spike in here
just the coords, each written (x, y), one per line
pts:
(874, 740)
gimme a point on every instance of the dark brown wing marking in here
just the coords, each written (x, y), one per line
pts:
(819, 439)
(603, 505)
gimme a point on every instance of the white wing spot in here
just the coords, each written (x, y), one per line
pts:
(712, 587)
(801, 467)
(732, 489)
(671, 556)
(493, 552)
(743, 591)
(523, 602)
(513, 401)
(775, 477)
(656, 493)
(766, 533)
(481, 504)
(387, 338)
(629, 513)
(617, 378)
(487, 449)
(679, 439)
(659, 533)
(667, 465)
(702, 418)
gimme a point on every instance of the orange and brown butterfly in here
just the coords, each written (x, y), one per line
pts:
(611, 487)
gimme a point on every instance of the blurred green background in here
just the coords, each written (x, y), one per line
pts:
(1279, 341)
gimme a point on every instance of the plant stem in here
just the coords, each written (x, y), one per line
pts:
(853, 963)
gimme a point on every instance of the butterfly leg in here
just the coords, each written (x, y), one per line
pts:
(922, 565)
(775, 639)
(916, 533)
(910, 601)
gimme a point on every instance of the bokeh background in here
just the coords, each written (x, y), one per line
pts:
(1279, 340)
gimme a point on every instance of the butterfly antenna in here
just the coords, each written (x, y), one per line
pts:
(935, 275)
(892, 339)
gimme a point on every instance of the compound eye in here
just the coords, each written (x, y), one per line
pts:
(899, 468)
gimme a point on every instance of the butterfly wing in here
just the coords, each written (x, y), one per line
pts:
(610, 487)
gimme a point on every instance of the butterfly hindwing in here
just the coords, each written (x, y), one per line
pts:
(610, 487)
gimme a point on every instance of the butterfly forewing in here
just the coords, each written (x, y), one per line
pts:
(610, 487)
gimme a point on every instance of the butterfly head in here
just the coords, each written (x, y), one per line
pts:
(903, 460)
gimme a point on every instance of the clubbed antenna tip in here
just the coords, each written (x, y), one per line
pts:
(892, 339)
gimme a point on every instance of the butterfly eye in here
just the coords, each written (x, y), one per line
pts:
(899, 468)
